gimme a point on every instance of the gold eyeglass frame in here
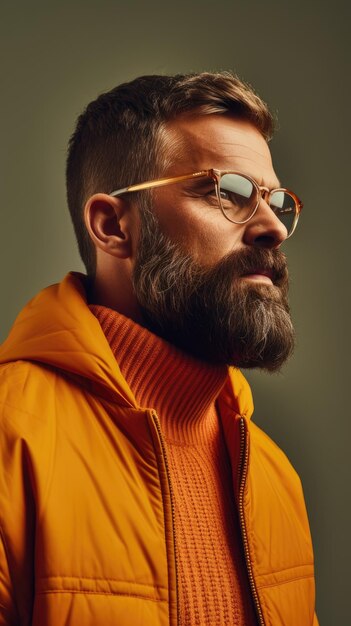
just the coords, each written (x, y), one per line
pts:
(262, 192)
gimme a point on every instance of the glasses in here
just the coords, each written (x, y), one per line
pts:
(237, 195)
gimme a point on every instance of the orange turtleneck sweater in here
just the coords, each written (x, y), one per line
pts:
(213, 584)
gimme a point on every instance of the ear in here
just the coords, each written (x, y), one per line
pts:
(108, 221)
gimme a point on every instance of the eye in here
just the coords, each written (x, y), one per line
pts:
(207, 193)
(224, 195)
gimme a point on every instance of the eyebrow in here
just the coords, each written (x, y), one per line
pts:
(199, 182)
(277, 186)
(247, 158)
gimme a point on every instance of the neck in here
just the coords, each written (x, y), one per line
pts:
(179, 387)
(117, 295)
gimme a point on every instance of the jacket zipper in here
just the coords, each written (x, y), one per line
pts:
(171, 493)
(243, 467)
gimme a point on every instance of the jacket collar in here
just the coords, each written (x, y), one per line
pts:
(56, 328)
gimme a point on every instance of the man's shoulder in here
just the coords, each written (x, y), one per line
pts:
(27, 391)
(20, 380)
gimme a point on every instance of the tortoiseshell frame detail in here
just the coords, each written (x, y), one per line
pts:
(215, 174)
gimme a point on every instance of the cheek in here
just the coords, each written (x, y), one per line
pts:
(203, 233)
(207, 239)
(214, 245)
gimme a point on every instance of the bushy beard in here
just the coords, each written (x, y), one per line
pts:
(212, 313)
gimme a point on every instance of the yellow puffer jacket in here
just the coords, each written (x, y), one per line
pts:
(86, 510)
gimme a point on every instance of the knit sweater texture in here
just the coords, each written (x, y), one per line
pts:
(213, 584)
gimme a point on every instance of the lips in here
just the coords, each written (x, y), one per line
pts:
(261, 265)
(269, 273)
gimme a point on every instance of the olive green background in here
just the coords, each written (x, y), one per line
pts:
(57, 56)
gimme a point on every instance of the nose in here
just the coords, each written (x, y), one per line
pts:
(264, 229)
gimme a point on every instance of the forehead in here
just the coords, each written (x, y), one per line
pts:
(222, 142)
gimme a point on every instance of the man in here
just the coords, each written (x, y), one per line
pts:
(135, 489)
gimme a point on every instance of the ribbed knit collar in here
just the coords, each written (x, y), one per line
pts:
(180, 388)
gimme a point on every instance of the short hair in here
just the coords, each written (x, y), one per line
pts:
(118, 139)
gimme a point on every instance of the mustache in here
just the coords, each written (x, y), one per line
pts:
(250, 261)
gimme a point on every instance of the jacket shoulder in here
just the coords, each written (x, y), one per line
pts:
(27, 424)
(27, 389)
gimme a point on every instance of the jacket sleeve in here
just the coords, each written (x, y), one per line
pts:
(8, 613)
(17, 523)
(27, 441)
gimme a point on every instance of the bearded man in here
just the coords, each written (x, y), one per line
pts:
(135, 489)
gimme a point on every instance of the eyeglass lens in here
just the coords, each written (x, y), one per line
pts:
(239, 198)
